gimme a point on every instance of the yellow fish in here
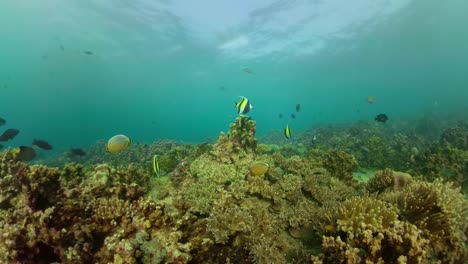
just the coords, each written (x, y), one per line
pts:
(243, 106)
(287, 132)
(118, 143)
(259, 168)
(156, 165)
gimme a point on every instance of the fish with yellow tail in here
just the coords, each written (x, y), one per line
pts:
(243, 106)
(156, 165)
(287, 132)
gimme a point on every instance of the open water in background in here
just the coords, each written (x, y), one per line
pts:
(172, 69)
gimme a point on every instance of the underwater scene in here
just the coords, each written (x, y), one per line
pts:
(216, 131)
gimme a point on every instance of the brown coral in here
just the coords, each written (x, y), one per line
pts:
(340, 164)
(440, 212)
(388, 179)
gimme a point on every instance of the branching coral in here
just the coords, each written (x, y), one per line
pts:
(340, 165)
(441, 212)
(388, 179)
(242, 134)
(456, 137)
(368, 230)
(325, 189)
(214, 208)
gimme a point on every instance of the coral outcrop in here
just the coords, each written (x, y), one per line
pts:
(237, 201)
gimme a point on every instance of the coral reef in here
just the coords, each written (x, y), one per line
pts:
(388, 179)
(417, 223)
(236, 201)
(340, 164)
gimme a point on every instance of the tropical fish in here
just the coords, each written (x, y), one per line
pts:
(293, 116)
(280, 115)
(9, 134)
(287, 132)
(156, 165)
(243, 106)
(88, 52)
(329, 228)
(364, 148)
(370, 99)
(118, 143)
(2, 121)
(42, 144)
(26, 153)
(259, 168)
(298, 107)
(77, 152)
(381, 118)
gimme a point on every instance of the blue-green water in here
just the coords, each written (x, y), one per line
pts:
(172, 69)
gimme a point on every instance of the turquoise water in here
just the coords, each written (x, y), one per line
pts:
(172, 70)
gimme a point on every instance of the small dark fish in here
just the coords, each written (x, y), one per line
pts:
(62, 48)
(88, 52)
(381, 118)
(42, 144)
(298, 107)
(9, 134)
(293, 116)
(222, 88)
(77, 152)
(2, 121)
(26, 153)
(280, 115)
(247, 70)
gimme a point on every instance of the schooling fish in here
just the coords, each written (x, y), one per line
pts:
(243, 106)
(287, 132)
(2, 121)
(26, 153)
(118, 143)
(9, 134)
(293, 116)
(88, 52)
(77, 152)
(42, 144)
(298, 107)
(280, 115)
(381, 118)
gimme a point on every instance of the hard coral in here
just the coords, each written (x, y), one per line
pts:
(440, 211)
(456, 137)
(368, 230)
(388, 179)
(242, 134)
(340, 164)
